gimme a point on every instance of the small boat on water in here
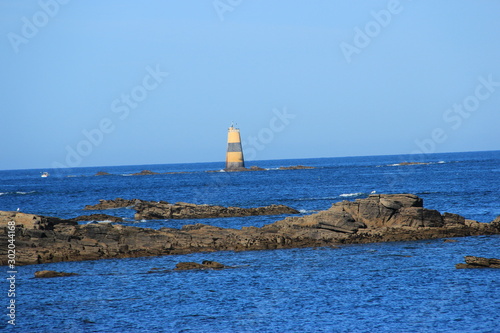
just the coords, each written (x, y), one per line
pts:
(44, 174)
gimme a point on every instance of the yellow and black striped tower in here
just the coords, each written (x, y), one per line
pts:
(234, 155)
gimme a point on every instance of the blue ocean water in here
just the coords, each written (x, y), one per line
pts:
(402, 286)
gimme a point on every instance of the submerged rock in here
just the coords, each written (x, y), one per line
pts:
(51, 274)
(182, 266)
(479, 262)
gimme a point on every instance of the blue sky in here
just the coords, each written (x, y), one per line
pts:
(95, 83)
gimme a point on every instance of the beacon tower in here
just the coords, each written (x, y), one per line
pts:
(234, 155)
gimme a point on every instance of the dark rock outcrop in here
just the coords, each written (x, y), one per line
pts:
(479, 262)
(153, 210)
(378, 218)
(51, 274)
(150, 210)
(111, 204)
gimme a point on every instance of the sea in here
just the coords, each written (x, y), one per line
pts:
(379, 287)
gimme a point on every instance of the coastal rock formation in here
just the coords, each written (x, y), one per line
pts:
(479, 262)
(378, 218)
(150, 210)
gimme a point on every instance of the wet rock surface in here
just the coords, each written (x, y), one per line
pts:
(378, 218)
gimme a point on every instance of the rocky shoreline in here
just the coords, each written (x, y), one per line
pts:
(378, 218)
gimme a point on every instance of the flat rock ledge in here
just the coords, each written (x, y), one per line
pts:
(152, 210)
(479, 262)
(378, 218)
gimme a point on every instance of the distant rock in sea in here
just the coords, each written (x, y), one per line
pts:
(296, 167)
(145, 173)
(102, 173)
(256, 168)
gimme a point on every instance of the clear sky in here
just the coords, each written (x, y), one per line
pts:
(120, 82)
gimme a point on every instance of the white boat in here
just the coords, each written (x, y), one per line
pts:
(45, 174)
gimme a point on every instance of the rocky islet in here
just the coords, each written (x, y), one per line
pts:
(154, 210)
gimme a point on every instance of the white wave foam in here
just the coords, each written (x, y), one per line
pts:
(17, 192)
(347, 195)
(441, 162)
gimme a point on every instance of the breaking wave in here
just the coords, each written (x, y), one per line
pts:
(350, 195)
(16, 193)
